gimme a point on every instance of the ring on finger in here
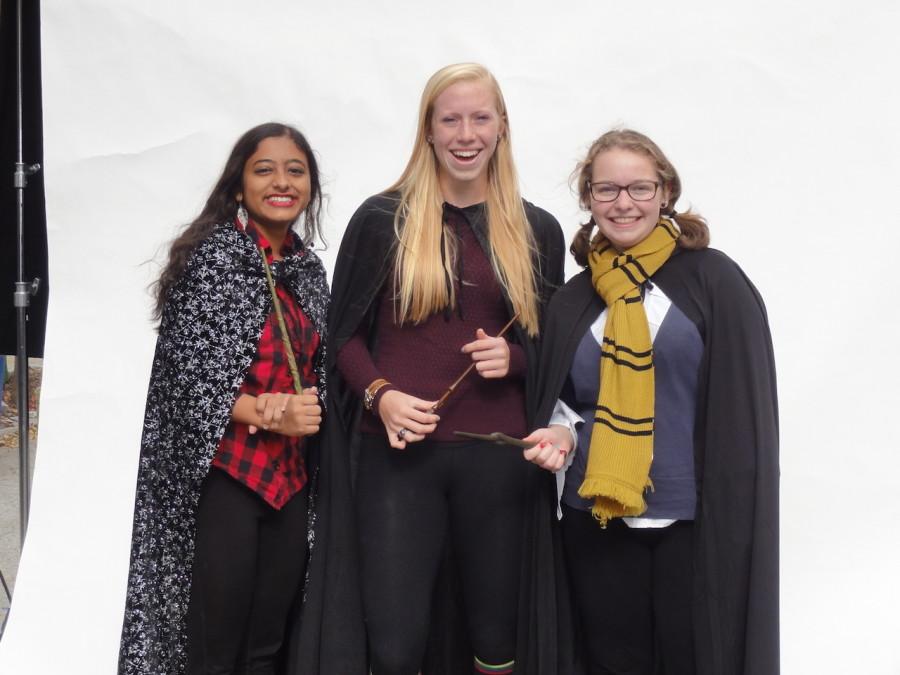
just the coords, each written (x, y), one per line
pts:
(402, 433)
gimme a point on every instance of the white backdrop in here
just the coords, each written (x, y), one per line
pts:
(781, 119)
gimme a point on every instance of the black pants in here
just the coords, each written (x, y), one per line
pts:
(249, 563)
(409, 502)
(632, 589)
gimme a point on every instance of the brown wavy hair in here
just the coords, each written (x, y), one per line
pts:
(221, 205)
(694, 230)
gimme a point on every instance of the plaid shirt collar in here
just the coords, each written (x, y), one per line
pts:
(289, 246)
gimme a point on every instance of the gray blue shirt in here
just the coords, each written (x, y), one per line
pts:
(677, 351)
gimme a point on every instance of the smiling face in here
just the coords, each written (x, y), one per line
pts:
(626, 222)
(275, 186)
(464, 130)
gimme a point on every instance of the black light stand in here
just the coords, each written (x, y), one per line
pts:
(8, 603)
(23, 290)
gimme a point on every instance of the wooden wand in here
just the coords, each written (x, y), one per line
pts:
(452, 387)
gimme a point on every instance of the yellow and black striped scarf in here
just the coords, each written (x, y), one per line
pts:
(621, 451)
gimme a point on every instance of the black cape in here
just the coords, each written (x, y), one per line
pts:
(363, 265)
(735, 605)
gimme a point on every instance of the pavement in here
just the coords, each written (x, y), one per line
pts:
(10, 539)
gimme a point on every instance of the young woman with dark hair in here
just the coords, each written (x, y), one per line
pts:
(219, 543)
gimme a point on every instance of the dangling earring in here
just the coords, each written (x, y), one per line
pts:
(429, 140)
(242, 217)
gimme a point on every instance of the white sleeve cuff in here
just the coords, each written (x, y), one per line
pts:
(564, 416)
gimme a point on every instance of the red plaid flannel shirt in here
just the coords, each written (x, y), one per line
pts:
(267, 462)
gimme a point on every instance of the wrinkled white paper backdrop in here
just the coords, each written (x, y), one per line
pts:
(781, 118)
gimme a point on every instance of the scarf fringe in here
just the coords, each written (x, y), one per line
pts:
(613, 498)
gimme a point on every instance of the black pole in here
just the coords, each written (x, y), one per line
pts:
(23, 290)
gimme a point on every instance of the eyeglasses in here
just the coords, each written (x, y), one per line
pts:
(639, 191)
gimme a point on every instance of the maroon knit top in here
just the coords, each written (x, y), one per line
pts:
(423, 360)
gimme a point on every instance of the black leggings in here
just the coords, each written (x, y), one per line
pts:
(249, 562)
(632, 587)
(409, 501)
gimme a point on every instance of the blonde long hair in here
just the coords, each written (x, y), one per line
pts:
(421, 268)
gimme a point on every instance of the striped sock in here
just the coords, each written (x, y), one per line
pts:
(494, 669)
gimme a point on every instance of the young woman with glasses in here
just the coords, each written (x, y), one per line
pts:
(428, 275)
(658, 388)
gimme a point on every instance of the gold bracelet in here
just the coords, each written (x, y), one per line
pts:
(372, 391)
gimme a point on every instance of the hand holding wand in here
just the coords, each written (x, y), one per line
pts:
(452, 387)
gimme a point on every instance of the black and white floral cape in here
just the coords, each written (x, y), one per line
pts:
(209, 334)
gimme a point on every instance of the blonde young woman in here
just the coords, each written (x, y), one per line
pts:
(428, 274)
